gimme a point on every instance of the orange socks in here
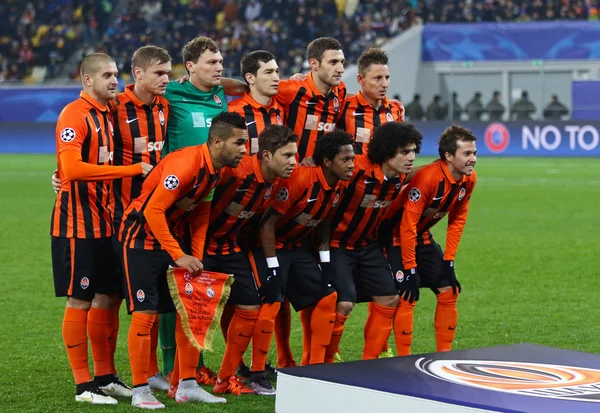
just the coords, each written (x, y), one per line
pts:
(305, 316)
(263, 332)
(187, 354)
(153, 366)
(283, 328)
(239, 334)
(446, 318)
(100, 328)
(322, 322)
(403, 326)
(377, 330)
(228, 312)
(336, 337)
(114, 335)
(139, 342)
(75, 337)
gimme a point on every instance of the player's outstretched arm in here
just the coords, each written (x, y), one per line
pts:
(234, 87)
(76, 170)
(199, 225)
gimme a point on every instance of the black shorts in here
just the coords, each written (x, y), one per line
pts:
(83, 267)
(145, 274)
(244, 290)
(430, 260)
(303, 282)
(362, 273)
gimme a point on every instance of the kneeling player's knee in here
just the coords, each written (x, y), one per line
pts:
(344, 308)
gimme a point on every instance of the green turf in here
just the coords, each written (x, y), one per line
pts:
(526, 263)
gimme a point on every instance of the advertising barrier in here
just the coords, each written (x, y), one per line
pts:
(494, 139)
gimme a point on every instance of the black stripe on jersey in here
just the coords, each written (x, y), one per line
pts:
(64, 206)
(74, 195)
(137, 183)
(375, 216)
(376, 119)
(134, 131)
(250, 122)
(356, 218)
(249, 205)
(85, 146)
(291, 224)
(342, 123)
(318, 216)
(359, 122)
(82, 188)
(100, 137)
(294, 108)
(219, 191)
(99, 205)
(303, 141)
(266, 114)
(346, 199)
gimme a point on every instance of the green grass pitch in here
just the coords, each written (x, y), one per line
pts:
(528, 264)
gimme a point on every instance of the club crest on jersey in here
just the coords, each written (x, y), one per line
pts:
(279, 122)
(67, 134)
(189, 289)
(336, 200)
(268, 192)
(414, 194)
(210, 293)
(336, 104)
(399, 276)
(171, 182)
(218, 100)
(282, 195)
(140, 295)
(462, 194)
(389, 117)
(85, 283)
(161, 117)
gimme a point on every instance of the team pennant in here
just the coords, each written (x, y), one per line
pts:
(199, 301)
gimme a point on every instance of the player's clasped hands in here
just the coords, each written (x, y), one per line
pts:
(146, 168)
(190, 263)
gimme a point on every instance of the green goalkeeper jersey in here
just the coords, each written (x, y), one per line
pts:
(192, 112)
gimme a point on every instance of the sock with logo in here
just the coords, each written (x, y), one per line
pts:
(187, 354)
(263, 332)
(283, 328)
(74, 332)
(166, 335)
(322, 322)
(153, 366)
(336, 337)
(139, 343)
(305, 316)
(403, 326)
(377, 330)
(114, 335)
(446, 318)
(239, 335)
(100, 327)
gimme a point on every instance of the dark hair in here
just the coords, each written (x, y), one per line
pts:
(274, 137)
(147, 56)
(328, 145)
(372, 56)
(223, 125)
(389, 138)
(196, 47)
(251, 62)
(318, 47)
(450, 137)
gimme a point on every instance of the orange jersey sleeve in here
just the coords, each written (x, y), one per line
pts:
(77, 170)
(174, 184)
(289, 191)
(199, 225)
(457, 217)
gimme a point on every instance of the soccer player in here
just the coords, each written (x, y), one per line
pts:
(285, 263)
(313, 106)
(439, 189)
(175, 200)
(258, 106)
(242, 193)
(361, 270)
(81, 229)
(370, 107)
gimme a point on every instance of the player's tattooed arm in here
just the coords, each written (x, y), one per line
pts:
(266, 232)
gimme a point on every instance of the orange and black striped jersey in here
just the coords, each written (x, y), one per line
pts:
(241, 193)
(309, 113)
(360, 118)
(84, 150)
(363, 204)
(305, 200)
(140, 133)
(175, 196)
(257, 117)
(431, 195)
